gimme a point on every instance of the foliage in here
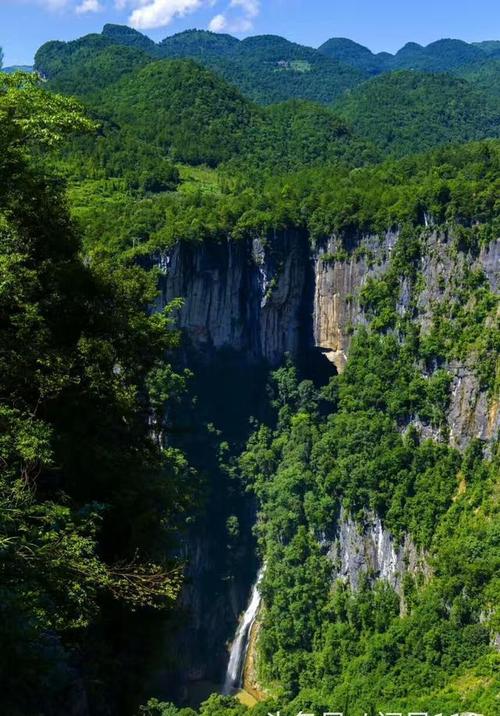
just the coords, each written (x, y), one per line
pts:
(321, 644)
(456, 182)
(426, 110)
(254, 65)
(94, 492)
(440, 56)
(483, 74)
(354, 54)
(90, 503)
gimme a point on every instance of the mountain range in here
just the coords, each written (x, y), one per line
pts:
(162, 93)
(269, 68)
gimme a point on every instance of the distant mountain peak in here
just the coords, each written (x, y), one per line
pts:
(113, 29)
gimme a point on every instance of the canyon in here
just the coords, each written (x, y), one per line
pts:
(268, 297)
(282, 294)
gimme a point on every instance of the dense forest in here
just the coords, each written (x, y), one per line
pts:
(249, 315)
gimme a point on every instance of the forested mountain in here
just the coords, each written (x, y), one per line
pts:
(240, 61)
(239, 327)
(123, 84)
(199, 45)
(352, 53)
(167, 102)
(491, 47)
(429, 110)
(90, 69)
(425, 110)
(267, 69)
(440, 56)
(483, 74)
(17, 68)
(160, 105)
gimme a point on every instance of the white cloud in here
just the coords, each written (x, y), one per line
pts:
(88, 6)
(239, 23)
(158, 13)
(238, 15)
(218, 23)
(251, 8)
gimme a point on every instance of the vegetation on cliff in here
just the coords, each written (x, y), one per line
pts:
(355, 443)
(360, 442)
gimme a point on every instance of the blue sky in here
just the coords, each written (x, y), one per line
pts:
(378, 24)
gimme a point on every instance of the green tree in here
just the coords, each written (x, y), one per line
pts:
(89, 497)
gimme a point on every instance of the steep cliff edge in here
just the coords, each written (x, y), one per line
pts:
(377, 493)
(268, 297)
(340, 277)
(249, 296)
(261, 298)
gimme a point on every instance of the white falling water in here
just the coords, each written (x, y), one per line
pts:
(240, 643)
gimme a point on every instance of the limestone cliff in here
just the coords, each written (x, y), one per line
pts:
(265, 297)
(246, 295)
(366, 547)
(337, 284)
(268, 297)
(337, 311)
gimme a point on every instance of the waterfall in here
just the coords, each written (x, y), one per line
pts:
(240, 644)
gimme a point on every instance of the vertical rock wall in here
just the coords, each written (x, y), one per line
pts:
(246, 295)
(267, 297)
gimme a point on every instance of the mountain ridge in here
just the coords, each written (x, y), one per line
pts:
(270, 68)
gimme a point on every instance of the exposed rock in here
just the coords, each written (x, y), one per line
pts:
(337, 284)
(489, 260)
(368, 548)
(246, 295)
(266, 298)
(470, 414)
(250, 672)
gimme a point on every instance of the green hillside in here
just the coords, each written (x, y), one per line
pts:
(352, 53)
(164, 103)
(440, 56)
(199, 45)
(491, 47)
(483, 75)
(88, 71)
(266, 69)
(405, 112)
(169, 102)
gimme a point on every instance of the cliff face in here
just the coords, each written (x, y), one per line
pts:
(368, 548)
(337, 284)
(246, 295)
(266, 298)
(337, 311)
